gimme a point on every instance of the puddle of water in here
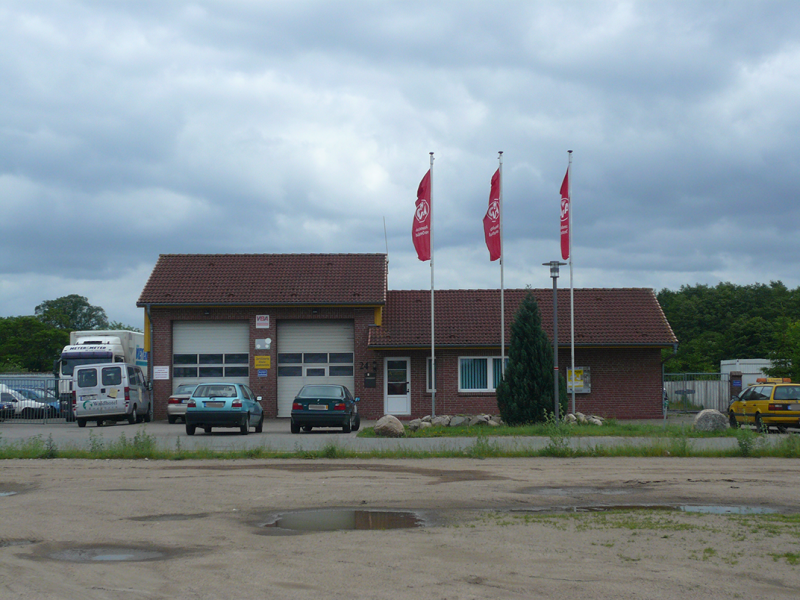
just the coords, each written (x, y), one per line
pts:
(687, 508)
(170, 517)
(106, 554)
(7, 493)
(10, 543)
(346, 519)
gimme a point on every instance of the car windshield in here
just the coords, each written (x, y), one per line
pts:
(321, 391)
(787, 392)
(215, 391)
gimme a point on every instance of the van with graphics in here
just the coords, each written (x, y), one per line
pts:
(111, 392)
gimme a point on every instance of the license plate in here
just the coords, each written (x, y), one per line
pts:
(214, 404)
(185, 401)
(794, 407)
(317, 407)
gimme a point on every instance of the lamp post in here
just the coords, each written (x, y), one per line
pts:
(554, 265)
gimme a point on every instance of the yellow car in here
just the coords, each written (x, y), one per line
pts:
(770, 402)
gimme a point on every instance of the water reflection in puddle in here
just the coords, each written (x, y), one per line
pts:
(7, 493)
(346, 519)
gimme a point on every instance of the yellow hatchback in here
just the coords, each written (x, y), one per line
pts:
(770, 402)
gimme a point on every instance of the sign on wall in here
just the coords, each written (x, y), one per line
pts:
(262, 362)
(581, 379)
(262, 321)
(160, 373)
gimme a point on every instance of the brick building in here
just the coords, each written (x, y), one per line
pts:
(277, 321)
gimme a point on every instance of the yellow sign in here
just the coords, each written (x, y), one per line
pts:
(262, 362)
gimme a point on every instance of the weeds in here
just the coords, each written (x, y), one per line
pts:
(749, 441)
(559, 434)
(483, 448)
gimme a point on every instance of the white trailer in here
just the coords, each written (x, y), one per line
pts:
(99, 346)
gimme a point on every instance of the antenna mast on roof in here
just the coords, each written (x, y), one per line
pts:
(386, 239)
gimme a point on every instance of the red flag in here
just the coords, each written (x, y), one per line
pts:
(421, 229)
(491, 222)
(565, 201)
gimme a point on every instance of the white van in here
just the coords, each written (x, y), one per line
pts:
(111, 392)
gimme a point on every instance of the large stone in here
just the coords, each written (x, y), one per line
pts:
(389, 426)
(442, 420)
(479, 420)
(415, 424)
(456, 421)
(594, 421)
(710, 420)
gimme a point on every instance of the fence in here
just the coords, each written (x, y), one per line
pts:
(692, 392)
(31, 398)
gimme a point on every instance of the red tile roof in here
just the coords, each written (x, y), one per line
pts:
(471, 318)
(267, 279)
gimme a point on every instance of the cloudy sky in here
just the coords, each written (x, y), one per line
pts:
(132, 129)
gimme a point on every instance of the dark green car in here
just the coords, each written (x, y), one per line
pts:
(325, 405)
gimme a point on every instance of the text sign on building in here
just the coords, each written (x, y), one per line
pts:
(262, 362)
(581, 378)
(160, 373)
(262, 321)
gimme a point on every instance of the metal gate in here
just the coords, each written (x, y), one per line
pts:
(31, 398)
(693, 392)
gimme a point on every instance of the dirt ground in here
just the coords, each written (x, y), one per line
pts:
(506, 528)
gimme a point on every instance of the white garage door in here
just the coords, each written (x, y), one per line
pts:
(210, 350)
(312, 352)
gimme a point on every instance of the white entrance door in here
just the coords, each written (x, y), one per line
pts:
(397, 386)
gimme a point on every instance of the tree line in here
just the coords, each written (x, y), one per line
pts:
(729, 321)
(32, 343)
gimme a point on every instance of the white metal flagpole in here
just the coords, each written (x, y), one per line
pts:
(433, 351)
(502, 286)
(571, 289)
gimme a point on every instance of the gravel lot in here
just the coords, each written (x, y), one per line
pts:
(506, 528)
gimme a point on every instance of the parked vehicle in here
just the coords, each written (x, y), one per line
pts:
(6, 410)
(92, 347)
(224, 405)
(22, 406)
(44, 396)
(176, 405)
(325, 405)
(111, 392)
(769, 402)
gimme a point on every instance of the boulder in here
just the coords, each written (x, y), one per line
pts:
(456, 421)
(594, 421)
(389, 426)
(710, 420)
(570, 418)
(415, 424)
(443, 421)
(580, 417)
(425, 424)
(479, 420)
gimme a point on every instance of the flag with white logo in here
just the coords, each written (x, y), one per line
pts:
(491, 222)
(421, 229)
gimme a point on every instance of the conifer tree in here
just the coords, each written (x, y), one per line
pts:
(526, 393)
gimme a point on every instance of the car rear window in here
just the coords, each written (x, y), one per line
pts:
(321, 391)
(215, 391)
(112, 375)
(87, 378)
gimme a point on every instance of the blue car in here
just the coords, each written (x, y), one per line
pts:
(325, 405)
(224, 405)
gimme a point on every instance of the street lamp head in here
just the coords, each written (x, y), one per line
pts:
(554, 265)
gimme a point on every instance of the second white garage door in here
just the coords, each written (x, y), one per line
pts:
(313, 352)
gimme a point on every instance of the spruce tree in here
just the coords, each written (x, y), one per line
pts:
(526, 393)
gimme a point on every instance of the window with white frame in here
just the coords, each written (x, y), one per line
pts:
(479, 373)
(430, 381)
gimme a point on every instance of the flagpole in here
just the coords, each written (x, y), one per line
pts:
(571, 289)
(502, 286)
(433, 352)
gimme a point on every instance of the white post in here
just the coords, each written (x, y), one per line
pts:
(571, 290)
(433, 352)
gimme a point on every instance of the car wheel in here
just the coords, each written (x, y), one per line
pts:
(171, 420)
(100, 422)
(207, 429)
(346, 427)
(295, 427)
(760, 424)
(307, 428)
(781, 429)
(147, 416)
(190, 429)
(732, 420)
(260, 426)
(132, 416)
(81, 422)
(245, 427)
(357, 423)
(139, 418)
